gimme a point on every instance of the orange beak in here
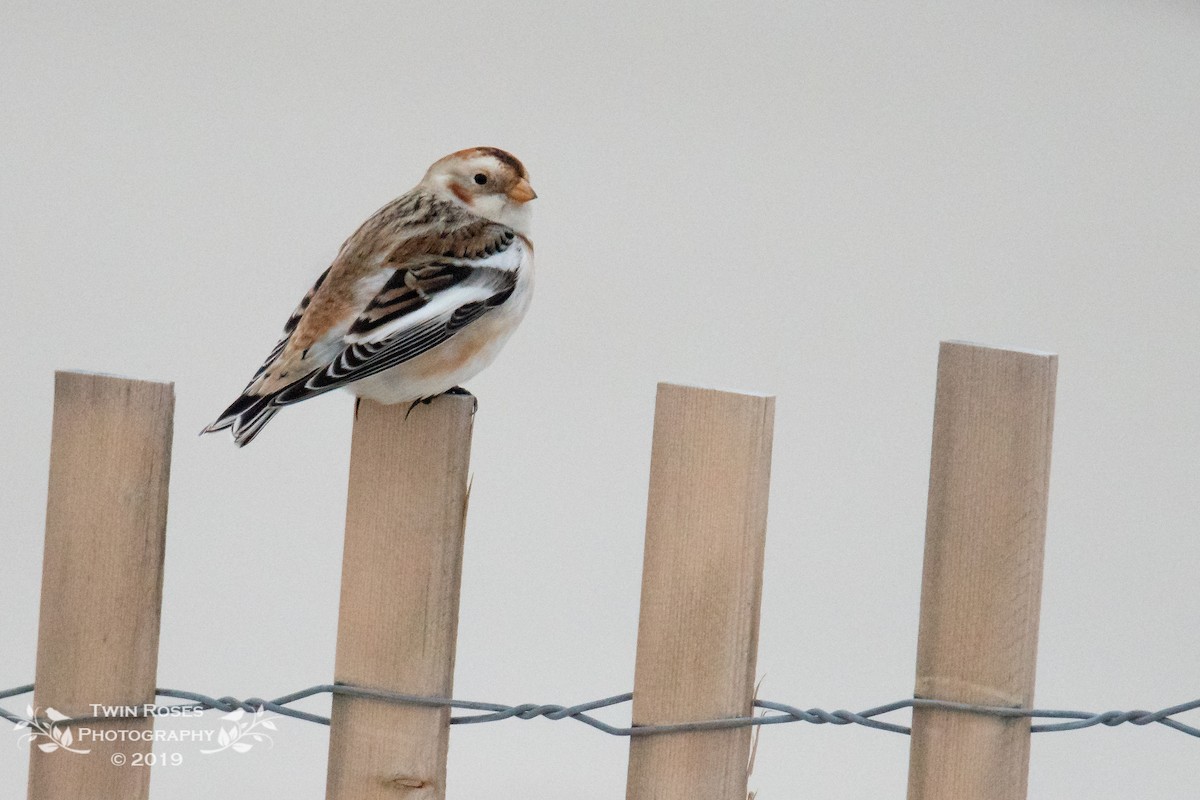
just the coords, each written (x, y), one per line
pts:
(522, 192)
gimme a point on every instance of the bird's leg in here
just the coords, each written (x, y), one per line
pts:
(453, 390)
(460, 391)
(422, 401)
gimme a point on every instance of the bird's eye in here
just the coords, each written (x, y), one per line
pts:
(480, 178)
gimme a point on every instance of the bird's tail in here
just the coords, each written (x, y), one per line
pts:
(246, 416)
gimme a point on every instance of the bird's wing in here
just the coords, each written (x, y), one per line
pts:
(425, 301)
(416, 310)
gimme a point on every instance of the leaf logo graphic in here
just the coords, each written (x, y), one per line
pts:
(51, 728)
(243, 734)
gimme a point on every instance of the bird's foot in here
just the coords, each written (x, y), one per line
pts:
(461, 392)
(454, 390)
(423, 401)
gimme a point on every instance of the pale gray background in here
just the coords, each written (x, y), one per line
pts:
(794, 198)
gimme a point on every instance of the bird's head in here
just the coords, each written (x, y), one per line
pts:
(488, 181)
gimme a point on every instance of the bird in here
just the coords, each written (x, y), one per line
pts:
(417, 301)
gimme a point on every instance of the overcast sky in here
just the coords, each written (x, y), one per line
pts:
(792, 198)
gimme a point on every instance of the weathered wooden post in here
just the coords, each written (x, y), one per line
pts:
(398, 622)
(106, 517)
(981, 592)
(701, 588)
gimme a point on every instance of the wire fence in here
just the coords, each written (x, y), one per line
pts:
(992, 421)
(783, 713)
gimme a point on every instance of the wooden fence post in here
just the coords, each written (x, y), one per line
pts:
(701, 590)
(398, 620)
(981, 591)
(106, 514)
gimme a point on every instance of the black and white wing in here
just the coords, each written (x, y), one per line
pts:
(415, 311)
(417, 308)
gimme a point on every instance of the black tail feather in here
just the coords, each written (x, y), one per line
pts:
(246, 416)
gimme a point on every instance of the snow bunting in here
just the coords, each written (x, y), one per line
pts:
(419, 299)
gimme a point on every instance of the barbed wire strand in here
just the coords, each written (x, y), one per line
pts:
(784, 713)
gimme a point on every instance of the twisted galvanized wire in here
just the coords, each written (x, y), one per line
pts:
(783, 713)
